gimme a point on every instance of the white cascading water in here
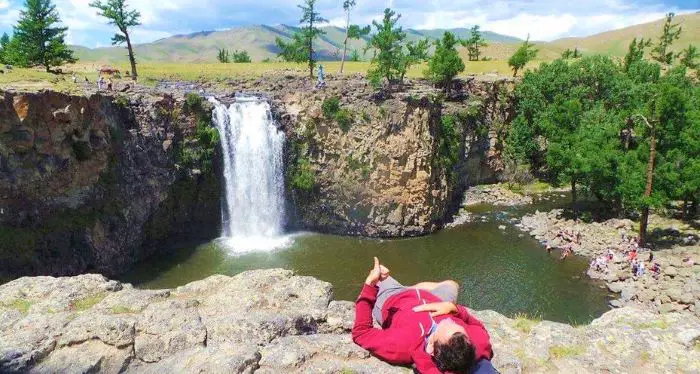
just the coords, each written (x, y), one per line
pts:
(253, 205)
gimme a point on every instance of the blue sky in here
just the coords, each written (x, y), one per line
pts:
(543, 19)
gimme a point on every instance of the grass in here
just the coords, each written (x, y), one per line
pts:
(563, 351)
(87, 302)
(525, 323)
(19, 304)
(120, 309)
(152, 72)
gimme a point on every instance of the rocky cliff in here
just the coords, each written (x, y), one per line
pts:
(388, 165)
(271, 321)
(97, 182)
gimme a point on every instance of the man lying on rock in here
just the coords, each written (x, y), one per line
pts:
(420, 325)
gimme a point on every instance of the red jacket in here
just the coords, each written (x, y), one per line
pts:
(402, 340)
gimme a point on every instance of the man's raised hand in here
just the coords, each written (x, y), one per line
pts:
(437, 309)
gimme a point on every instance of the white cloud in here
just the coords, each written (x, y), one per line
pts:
(4, 4)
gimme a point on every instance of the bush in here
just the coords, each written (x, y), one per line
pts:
(303, 178)
(345, 119)
(241, 57)
(330, 106)
(193, 103)
(449, 145)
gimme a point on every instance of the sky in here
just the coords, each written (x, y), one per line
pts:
(543, 19)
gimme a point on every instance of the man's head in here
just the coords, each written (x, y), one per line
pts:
(451, 349)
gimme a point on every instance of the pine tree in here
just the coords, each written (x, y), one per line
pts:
(119, 15)
(671, 32)
(522, 56)
(392, 57)
(635, 52)
(37, 40)
(4, 44)
(689, 57)
(223, 56)
(301, 48)
(351, 31)
(445, 63)
(474, 44)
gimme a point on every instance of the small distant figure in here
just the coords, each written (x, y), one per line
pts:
(87, 80)
(101, 83)
(109, 84)
(74, 78)
(321, 77)
(651, 257)
(640, 269)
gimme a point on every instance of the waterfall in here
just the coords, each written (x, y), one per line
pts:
(253, 204)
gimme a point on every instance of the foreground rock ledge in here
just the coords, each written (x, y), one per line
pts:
(272, 321)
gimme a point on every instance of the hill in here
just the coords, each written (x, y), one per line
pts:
(615, 42)
(259, 41)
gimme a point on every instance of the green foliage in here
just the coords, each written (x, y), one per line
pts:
(303, 176)
(118, 14)
(449, 144)
(301, 48)
(193, 103)
(445, 63)
(330, 106)
(241, 57)
(357, 32)
(200, 150)
(571, 54)
(671, 32)
(524, 54)
(393, 56)
(355, 56)
(345, 119)
(37, 39)
(122, 101)
(87, 302)
(4, 44)
(635, 52)
(223, 56)
(689, 57)
(563, 351)
(21, 305)
(475, 43)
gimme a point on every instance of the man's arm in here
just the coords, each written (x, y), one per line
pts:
(379, 342)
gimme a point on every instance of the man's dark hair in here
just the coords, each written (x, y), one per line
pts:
(456, 356)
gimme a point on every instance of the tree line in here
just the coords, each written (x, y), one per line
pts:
(626, 132)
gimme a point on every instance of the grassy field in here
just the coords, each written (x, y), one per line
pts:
(150, 73)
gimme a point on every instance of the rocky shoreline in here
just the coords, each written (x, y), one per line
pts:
(677, 288)
(272, 321)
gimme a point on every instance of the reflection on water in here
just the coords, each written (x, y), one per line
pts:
(502, 270)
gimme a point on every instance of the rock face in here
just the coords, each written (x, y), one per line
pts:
(271, 321)
(396, 170)
(89, 182)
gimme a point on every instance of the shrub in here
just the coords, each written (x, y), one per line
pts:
(345, 119)
(193, 103)
(449, 145)
(303, 177)
(330, 106)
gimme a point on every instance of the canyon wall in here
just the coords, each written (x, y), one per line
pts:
(97, 183)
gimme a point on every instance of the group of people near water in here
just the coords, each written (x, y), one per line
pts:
(629, 247)
(571, 239)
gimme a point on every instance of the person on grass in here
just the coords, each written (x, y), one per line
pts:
(421, 326)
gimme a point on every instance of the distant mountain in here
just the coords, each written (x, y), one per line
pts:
(259, 41)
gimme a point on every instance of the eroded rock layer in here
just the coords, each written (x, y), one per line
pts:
(271, 321)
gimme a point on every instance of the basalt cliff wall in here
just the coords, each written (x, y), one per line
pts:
(97, 183)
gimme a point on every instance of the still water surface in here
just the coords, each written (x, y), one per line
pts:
(501, 270)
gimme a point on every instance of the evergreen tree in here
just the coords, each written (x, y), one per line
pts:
(474, 44)
(37, 40)
(119, 15)
(662, 49)
(301, 48)
(223, 56)
(635, 52)
(525, 53)
(689, 57)
(569, 54)
(241, 57)
(393, 57)
(351, 32)
(445, 63)
(4, 44)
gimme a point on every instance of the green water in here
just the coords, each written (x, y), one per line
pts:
(501, 270)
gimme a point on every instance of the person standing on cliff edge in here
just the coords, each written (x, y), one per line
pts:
(421, 326)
